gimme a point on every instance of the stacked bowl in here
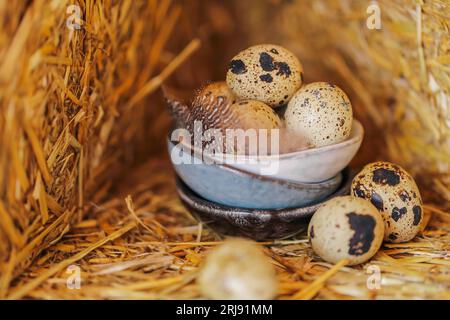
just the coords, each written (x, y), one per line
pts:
(234, 196)
(231, 181)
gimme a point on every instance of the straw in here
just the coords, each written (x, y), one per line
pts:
(144, 264)
(84, 174)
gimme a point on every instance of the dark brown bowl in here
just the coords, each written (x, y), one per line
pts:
(254, 223)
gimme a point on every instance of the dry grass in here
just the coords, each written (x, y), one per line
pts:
(152, 248)
(69, 101)
(75, 114)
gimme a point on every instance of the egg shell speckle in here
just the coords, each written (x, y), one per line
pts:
(251, 116)
(254, 114)
(237, 269)
(346, 228)
(321, 112)
(266, 72)
(395, 194)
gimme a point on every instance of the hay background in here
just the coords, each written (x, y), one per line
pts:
(78, 126)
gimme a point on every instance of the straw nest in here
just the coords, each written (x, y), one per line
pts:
(73, 120)
(69, 100)
(141, 243)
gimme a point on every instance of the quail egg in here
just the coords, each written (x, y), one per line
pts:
(346, 228)
(395, 194)
(266, 72)
(237, 269)
(321, 112)
(255, 114)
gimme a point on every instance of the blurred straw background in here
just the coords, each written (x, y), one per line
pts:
(82, 127)
(72, 112)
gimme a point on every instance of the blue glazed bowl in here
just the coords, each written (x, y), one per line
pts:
(223, 184)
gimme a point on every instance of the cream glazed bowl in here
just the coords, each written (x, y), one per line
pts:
(306, 166)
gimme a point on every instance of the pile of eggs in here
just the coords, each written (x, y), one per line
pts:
(261, 82)
(384, 204)
(237, 269)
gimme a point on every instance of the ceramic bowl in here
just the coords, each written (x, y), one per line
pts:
(254, 223)
(230, 186)
(307, 166)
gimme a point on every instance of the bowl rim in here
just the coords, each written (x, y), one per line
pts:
(356, 136)
(288, 183)
(197, 201)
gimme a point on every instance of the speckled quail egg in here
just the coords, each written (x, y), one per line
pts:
(237, 269)
(252, 114)
(346, 228)
(395, 194)
(321, 112)
(255, 115)
(266, 72)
